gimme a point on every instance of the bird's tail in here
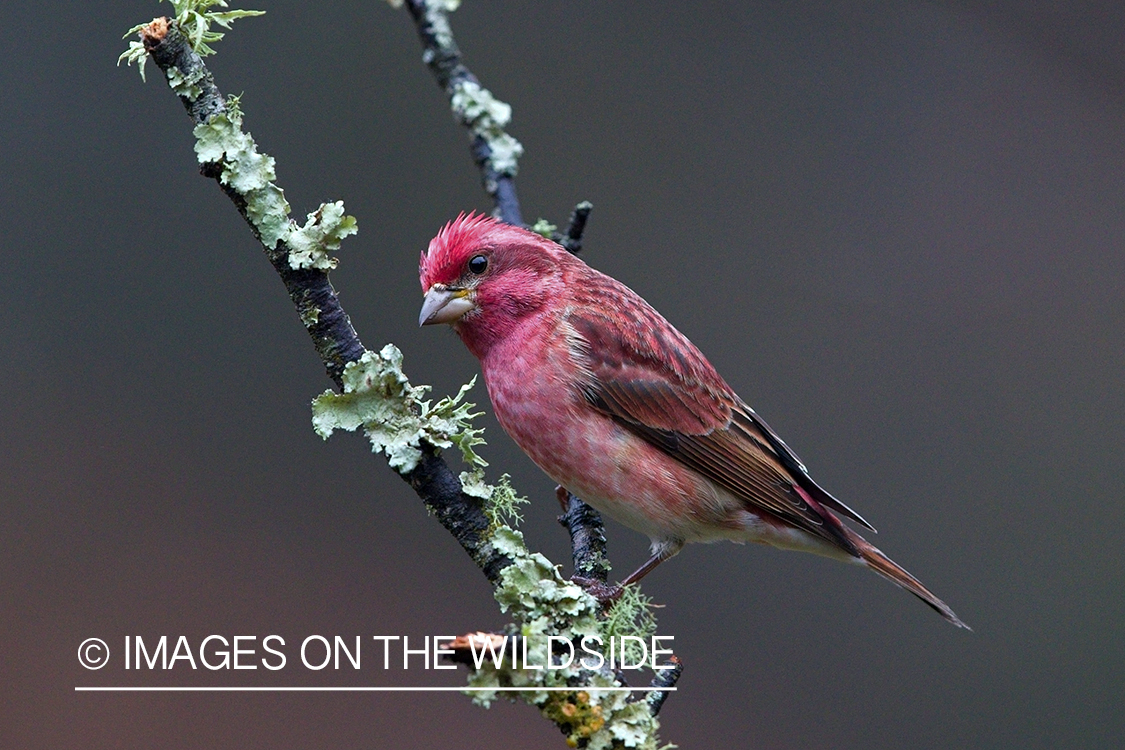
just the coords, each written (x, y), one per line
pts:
(894, 573)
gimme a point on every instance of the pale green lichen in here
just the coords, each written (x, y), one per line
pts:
(501, 503)
(452, 418)
(182, 85)
(251, 173)
(135, 52)
(486, 116)
(630, 615)
(379, 398)
(502, 506)
(544, 604)
(532, 586)
(194, 17)
(473, 484)
(311, 243)
(544, 228)
(247, 171)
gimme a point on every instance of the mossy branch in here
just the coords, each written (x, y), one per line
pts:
(376, 396)
(231, 158)
(486, 118)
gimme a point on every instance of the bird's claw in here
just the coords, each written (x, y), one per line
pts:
(562, 494)
(606, 594)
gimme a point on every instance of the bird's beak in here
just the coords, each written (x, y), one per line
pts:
(444, 305)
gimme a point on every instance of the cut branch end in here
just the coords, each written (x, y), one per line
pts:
(154, 33)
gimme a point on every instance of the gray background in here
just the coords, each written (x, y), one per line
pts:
(895, 228)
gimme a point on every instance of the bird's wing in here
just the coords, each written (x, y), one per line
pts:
(652, 380)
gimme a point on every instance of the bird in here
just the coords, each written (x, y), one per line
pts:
(621, 409)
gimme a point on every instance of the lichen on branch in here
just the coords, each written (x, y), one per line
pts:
(379, 399)
(311, 243)
(194, 18)
(486, 117)
(545, 606)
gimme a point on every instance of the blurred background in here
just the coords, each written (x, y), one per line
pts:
(895, 228)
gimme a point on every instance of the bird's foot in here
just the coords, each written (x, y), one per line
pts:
(606, 594)
(562, 494)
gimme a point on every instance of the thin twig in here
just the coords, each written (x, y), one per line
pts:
(572, 238)
(664, 679)
(443, 57)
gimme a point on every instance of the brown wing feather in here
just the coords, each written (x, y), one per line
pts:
(653, 381)
(722, 455)
(747, 420)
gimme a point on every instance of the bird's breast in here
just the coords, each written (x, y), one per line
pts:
(534, 381)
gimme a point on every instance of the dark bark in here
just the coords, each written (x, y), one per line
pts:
(443, 57)
(333, 336)
(664, 679)
(587, 538)
(572, 238)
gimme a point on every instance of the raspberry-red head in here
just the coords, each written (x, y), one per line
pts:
(483, 276)
(445, 260)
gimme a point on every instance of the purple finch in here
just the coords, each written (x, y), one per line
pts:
(617, 406)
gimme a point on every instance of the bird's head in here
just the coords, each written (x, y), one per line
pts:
(483, 277)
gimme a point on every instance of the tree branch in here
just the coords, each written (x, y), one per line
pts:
(664, 679)
(587, 537)
(333, 336)
(572, 238)
(494, 151)
(536, 589)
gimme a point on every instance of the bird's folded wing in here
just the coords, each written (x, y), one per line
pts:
(662, 389)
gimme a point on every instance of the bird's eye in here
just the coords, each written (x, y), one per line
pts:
(477, 264)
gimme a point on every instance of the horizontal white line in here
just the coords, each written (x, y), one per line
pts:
(380, 689)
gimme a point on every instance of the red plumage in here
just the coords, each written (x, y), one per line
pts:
(616, 405)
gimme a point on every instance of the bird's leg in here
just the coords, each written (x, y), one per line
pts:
(661, 551)
(563, 496)
(603, 592)
(607, 595)
(644, 570)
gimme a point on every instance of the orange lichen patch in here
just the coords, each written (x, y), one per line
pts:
(575, 715)
(476, 640)
(155, 32)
